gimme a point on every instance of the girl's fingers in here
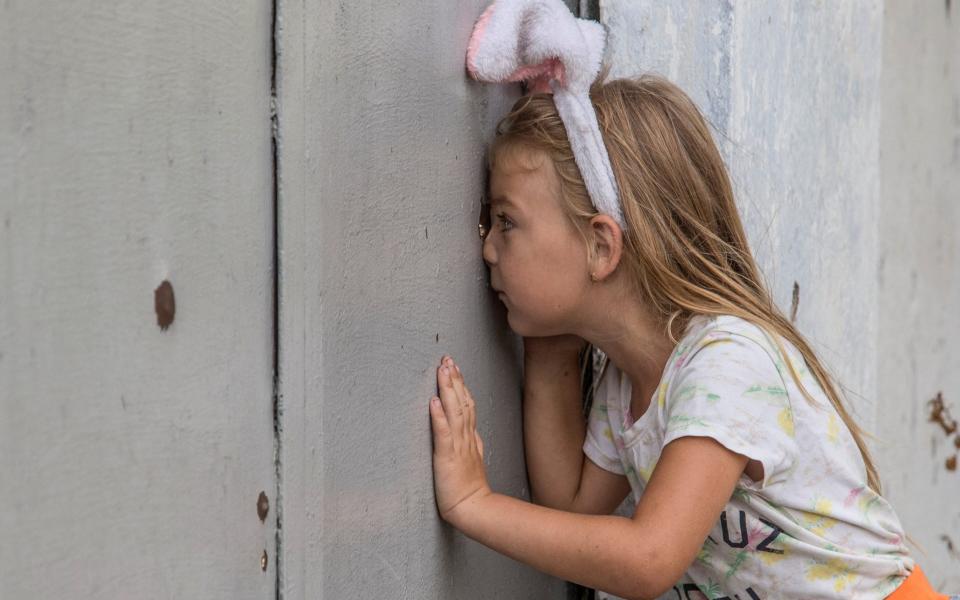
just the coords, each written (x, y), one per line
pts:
(452, 407)
(442, 440)
(469, 406)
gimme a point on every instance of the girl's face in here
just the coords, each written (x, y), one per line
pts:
(537, 258)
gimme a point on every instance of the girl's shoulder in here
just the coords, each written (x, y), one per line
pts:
(701, 327)
(703, 330)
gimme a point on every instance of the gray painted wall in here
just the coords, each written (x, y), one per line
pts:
(134, 148)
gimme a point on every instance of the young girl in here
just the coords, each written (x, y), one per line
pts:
(751, 479)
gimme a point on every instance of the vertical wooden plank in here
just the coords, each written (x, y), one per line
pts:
(135, 148)
(918, 275)
(382, 170)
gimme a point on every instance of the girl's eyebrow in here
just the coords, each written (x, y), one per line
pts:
(505, 201)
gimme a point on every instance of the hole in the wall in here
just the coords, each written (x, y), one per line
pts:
(263, 561)
(263, 506)
(164, 304)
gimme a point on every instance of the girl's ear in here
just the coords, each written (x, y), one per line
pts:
(607, 240)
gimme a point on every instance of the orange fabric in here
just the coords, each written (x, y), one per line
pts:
(916, 587)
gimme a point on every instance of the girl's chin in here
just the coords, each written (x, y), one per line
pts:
(523, 329)
(515, 326)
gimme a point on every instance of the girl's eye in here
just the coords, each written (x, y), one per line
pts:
(504, 222)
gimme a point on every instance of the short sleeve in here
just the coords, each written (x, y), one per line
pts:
(730, 390)
(598, 445)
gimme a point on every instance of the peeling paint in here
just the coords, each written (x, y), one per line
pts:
(940, 415)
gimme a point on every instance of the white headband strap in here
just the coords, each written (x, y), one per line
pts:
(540, 41)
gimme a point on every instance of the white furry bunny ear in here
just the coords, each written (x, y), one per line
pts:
(541, 42)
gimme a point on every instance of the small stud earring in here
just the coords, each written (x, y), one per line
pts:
(593, 276)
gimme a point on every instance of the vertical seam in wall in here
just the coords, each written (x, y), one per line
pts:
(277, 408)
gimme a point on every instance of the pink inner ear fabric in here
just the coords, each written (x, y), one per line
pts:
(473, 45)
(550, 68)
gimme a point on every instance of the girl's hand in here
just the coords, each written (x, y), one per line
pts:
(458, 470)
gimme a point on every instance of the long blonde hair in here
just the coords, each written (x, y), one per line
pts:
(685, 248)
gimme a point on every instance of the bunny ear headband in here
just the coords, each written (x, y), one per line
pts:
(540, 41)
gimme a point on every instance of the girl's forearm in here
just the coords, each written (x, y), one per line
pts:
(553, 427)
(605, 552)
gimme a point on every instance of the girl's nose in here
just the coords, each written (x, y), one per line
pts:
(489, 255)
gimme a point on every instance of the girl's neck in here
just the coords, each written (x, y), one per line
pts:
(633, 341)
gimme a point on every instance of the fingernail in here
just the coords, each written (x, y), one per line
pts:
(444, 370)
(435, 401)
(457, 368)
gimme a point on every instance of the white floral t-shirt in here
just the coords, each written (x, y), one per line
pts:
(811, 528)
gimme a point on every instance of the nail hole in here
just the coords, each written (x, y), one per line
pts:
(263, 561)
